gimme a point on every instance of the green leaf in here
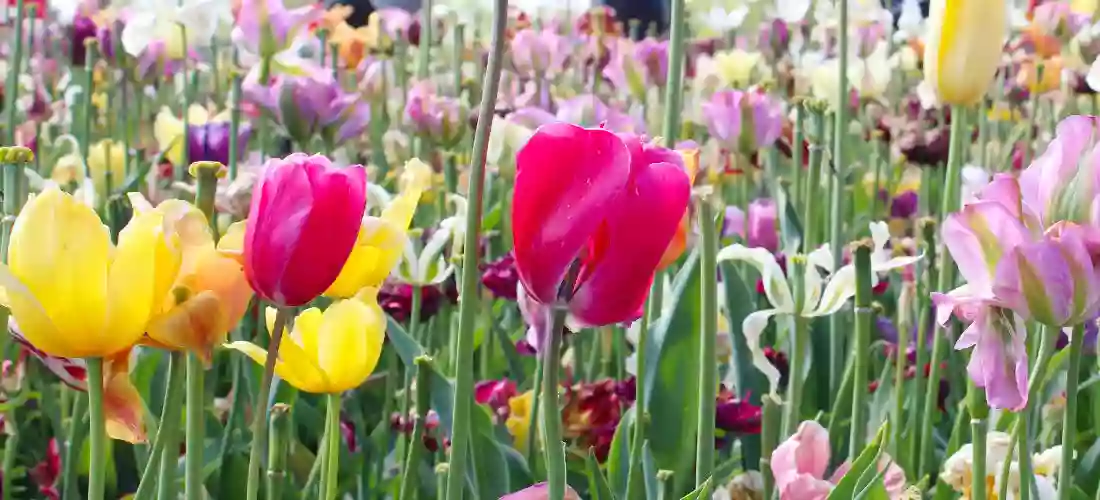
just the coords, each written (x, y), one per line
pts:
(719, 476)
(790, 226)
(490, 463)
(443, 389)
(747, 381)
(618, 459)
(597, 483)
(857, 478)
(672, 388)
(492, 218)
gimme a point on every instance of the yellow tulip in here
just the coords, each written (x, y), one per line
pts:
(519, 419)
(210, 293)
(735, 67)
(381, 239)
(72, 294)
(168, 129)
(328, 352)
(964, 46)
(106, 156)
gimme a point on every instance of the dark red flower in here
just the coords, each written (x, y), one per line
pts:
(347, 430)
(396, 300)
(47, 472)
(500, 277)
(779, 359)
(736, 415)
(495, 394)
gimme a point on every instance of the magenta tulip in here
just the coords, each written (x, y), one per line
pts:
(611, 201)
(303, 222)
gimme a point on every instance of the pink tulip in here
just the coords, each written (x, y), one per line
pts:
(303, 222)
(539, 492)
(539, 53)
(439, 118)
(799, 465)
(762, 227)
(1064, 182)
(744, 120)
(267, 27)
(611, 201)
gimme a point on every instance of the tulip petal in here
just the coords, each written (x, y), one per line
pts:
(775, 283)
(350, 340)
(194, 325)
(30, 312)
(122, 406)
(978, 236)
(617, 271)
(292, 364)
(963, 48)
(753, 328)
(799, 463)
(841, 287)
(59, 252)
(999, 361)
(551, 227)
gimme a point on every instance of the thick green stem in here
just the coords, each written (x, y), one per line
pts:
(979, 428)
(170, 422)
(534, 429)
(97, 431)
(424, 55)
(708, 377)
(944, 280)
(551, 415)
(259, 413)
(330, 484)
(924, 289)
(1021, 431)
(1069, 416)
(770, 428)
(796, 153)
(195, 428)
(464, 369)
(277, 453)
(634, 483)
(73, 446)
(813, 178)
(861, 349)
(836, 191)
(416, 447)
(675, 90)
(235, 127)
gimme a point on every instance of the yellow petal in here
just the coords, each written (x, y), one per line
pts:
(290, 365)
(232, 242)
(350, 341)
(103, 157)
(307, 327)
(168, 131)
(68, 169)
(196, 325)
(122, 405)
(964, 48)
(60, 252)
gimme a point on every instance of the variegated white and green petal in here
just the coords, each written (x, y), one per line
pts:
(753, 328)
(776, 287)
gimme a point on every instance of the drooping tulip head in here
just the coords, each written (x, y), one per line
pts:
(303, 223)
(963, 48)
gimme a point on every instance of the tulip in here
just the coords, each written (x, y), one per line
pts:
(351, 43)
(748, 121)
(435, 117)
(799, 465)
(82, 29)
(310, 105)
(518, 423)
(822, 297)
(267, 27)
(634, 67)
(500, 278)
(106, 156)
(329, 352)
(381, 240)
(539, 491)
(168, 130)
(538, 53)
(734, 68)
(123, 408)
(74, 295)
(302, 227)
(763, 224)
(634, 197)
(210, 141)
(679, 241)
(209, 295)
(1063, 184)
(179, 26)
(589, 110)
(963, 48)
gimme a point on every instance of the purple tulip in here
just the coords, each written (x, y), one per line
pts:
(210, 141)
(744, 120)
(432, 116)
(83, 28)
(307, 106)
(762, 224)
(904, 205)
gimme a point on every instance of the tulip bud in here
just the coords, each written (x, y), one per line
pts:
(747, 121)
(963, 49)
(303, 223)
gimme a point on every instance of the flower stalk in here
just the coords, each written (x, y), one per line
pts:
(464, 369)
(861, 349)
(330, 481)
(708, 377)
(259, 414)
(1069, 415)
(836, 188)
(416, 446)
(11, 90)
(97, 433)
(279, 451)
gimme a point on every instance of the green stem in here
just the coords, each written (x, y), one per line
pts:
(277, 453)
(634, 483)
(979, 428)
(97, 433)
(861, 349)
(424, 53)
(11, 92)
(235, 127)
(533, 421)
(1021, 431)
(195, 428)
(330, 485)
(392, 372)
(944, 279)
(675, 91)
(464, 369)
(170, 422)
(1024, 453)
(172, 400)
(459, 32)
(1069, 416)
(770, 429)
(924, 289)
(72, 450)
(416, 446)
(89, 108)
(551, 415)
(813, 179)
(259, 414)
(836, 192)
(796, 152)
(708, 377)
